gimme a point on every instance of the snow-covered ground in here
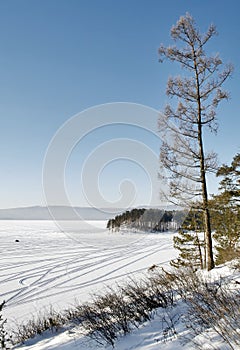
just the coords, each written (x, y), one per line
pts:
(48, 267)
(166, 331)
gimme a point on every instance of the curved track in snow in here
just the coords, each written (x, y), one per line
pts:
(47, 267)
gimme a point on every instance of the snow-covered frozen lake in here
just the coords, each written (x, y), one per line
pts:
(49, 267)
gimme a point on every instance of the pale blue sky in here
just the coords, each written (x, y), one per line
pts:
(59, 57)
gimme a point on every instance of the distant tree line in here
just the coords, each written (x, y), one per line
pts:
(150, 220)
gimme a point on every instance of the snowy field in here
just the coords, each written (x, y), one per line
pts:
(49, 267)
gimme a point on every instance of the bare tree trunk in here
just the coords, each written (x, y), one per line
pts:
(200, 251)
(207, 223)
(208, 239)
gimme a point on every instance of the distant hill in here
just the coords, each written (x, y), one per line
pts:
(65, 213)
(59, 213)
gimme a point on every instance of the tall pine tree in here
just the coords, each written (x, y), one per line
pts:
(197, 93)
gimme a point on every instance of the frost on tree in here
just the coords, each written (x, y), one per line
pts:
(196, 94)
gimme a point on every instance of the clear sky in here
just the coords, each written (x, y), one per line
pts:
(59, 57)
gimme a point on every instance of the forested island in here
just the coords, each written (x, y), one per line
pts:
(148, 220)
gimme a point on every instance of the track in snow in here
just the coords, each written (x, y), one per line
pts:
(48, 267)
